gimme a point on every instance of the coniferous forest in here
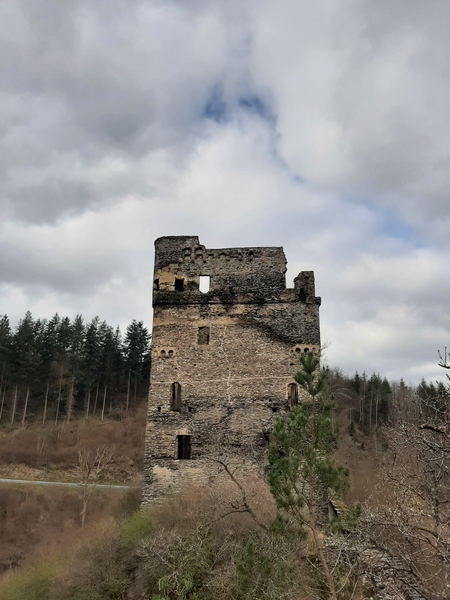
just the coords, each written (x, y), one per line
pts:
(60, 368)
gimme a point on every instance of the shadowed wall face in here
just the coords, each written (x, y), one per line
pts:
(223, 360)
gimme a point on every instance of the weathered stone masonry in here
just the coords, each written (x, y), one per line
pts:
(222, 360)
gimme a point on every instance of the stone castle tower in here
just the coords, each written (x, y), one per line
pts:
(226, 339)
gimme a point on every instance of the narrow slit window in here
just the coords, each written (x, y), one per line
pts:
(204, 283)
(175, 397)
(292, 394)
(184, 447)
(203, 335)
(179, 285)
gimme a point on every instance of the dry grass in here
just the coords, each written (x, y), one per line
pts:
(34, 520)
(51, 451)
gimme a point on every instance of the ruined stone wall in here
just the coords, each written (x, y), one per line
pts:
(222, 361)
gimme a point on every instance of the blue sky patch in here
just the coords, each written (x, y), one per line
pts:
(215, 107)
(255, 104)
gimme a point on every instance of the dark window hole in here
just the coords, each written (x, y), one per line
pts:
(184, 447)
(179, 285)
(175, 397)
(292, 394)
(203, 336)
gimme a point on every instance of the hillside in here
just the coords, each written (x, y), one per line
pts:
(33, 518)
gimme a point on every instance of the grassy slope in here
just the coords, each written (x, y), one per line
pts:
(32, 518)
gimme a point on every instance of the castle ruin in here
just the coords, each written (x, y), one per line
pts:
(226, 338)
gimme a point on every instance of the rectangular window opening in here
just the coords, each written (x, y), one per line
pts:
(204, 283)
(292, 394)
(175, 397)
(184, 447)
(179, 285)
(203, 335)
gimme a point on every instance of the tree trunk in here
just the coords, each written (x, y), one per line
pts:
(25, 407)
(326, 569)
(59, 395)
(84, 509)
(3, 403)
(88, 403)
(1, 381)
(45, 403)
(96, 400)
(70, 400)
(14, 406)
(104, 402)
(128, 391)
(312, 522)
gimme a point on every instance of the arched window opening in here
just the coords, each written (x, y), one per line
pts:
(184, 447)
(175, 397)
(292, 394)
(203, 335)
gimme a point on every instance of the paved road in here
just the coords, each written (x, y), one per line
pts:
(63, 484)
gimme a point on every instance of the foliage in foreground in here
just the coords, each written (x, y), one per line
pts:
(176, 550)
(301, 467)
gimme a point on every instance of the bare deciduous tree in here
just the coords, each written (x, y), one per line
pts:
(413, 522)
(91, 467)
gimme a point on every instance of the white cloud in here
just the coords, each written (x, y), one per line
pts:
(327, 133)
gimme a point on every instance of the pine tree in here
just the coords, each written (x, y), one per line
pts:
(300, 464)
(91, 363)
(5, 358)
(136, 348)
(23, 361)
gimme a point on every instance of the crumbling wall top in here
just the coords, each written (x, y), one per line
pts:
(256, 273)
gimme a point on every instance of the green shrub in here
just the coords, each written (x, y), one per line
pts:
(137, 527)
(33, 583)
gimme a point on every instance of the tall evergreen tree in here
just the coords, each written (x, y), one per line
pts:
(6, 338)
(136, 347)
(301, 466)
(91, 363)
(75, 359)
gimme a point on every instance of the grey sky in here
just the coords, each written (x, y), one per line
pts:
(319, 126)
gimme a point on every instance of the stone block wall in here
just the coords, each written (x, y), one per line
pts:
(223, 360)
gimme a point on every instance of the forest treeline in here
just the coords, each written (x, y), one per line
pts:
(373, 401)
(59, 368)
(56, 368)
